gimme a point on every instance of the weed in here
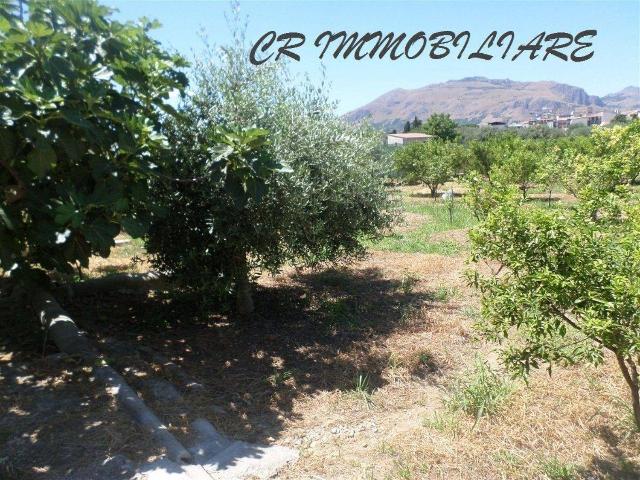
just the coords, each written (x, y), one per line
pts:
(386, 448)
(407, 316)
(363, 389)
(426, 360)
(403, 471)
(554, 469)
(339, 313)
(279, 378)
(393, 362)
(626, 420)
(508, 459)
(409, 280)
(444, 293)
(447, 422)
(419, 240)
(479, 392)
(472, 313)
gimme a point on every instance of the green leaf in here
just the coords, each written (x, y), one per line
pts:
(68, 213)
(39, 30)
(41, 158)
(7, 144)
(134, 226)
(100, 234)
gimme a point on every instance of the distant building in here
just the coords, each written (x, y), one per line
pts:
(498, 124)
(565, 121)
(398, 139)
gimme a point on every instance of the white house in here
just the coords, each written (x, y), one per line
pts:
(397, 139)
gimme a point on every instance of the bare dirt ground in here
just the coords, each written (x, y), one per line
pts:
(350, 365)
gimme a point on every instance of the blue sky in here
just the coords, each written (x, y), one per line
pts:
(615, 65)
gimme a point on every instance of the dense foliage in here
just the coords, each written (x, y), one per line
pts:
(441, 125)
(517, 162)
(565, 285)
(80, 102)
(326, 195)
(431, 163)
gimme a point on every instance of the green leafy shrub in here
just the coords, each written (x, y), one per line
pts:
(81, 98)
(442, 126)
(518, 162)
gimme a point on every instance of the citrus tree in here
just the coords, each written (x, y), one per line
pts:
(565, 286)
(431, 163)
(518, 162)
(81, 98)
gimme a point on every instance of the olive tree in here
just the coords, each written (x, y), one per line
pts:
(321, 197)
(81, 98)
(431, 163)
(565, 284)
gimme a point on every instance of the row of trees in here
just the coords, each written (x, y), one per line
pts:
(563, 284)
(551, 163)
(439, 124)
(251, 171)
(444, 127)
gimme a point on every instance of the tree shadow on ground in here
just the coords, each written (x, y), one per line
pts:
(615, 463)
(57, 426)
(437, 196)
(320, 331)
(316, 331)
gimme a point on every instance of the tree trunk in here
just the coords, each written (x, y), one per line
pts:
(60, 327)
(244, 298)
(630, 373)
(434, 191)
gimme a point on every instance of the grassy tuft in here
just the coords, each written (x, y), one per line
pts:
(554, 469)
(479, 392)
(362, 389)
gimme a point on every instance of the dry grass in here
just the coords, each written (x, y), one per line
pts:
(351, 366)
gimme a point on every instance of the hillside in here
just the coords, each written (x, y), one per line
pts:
(479, 99)
(626, 99)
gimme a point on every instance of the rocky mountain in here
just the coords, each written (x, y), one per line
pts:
(480, 99)
(626, 99)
